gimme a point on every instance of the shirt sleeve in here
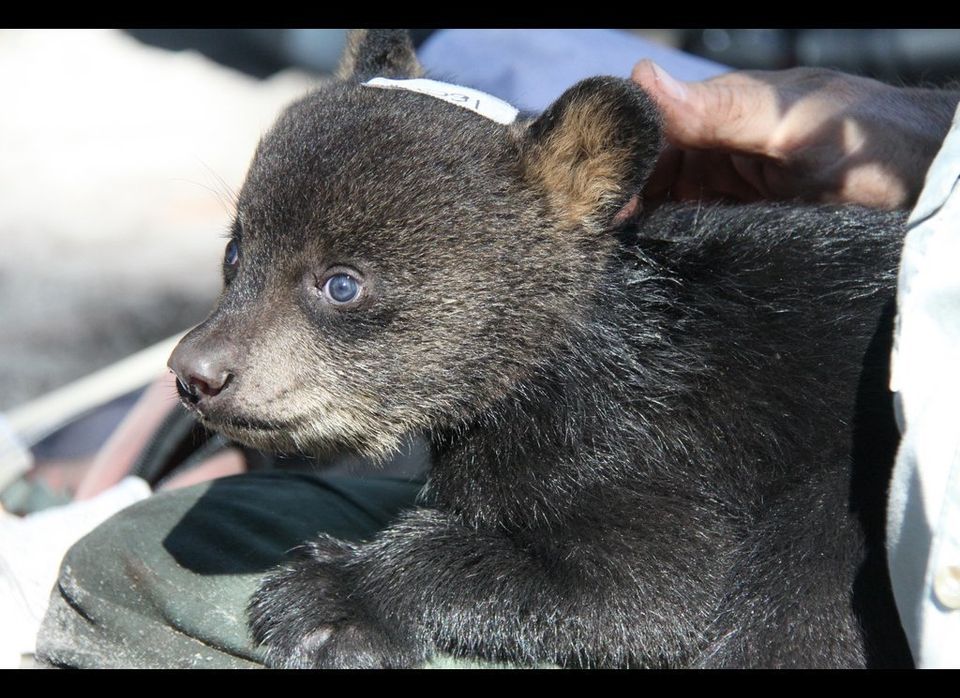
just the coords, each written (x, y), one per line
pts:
(923, 521)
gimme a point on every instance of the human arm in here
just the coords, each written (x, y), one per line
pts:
(806, 133)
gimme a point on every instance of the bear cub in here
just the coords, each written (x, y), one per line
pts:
(658, 439)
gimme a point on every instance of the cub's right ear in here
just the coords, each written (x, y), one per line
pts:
(374, 53)
(591, 150)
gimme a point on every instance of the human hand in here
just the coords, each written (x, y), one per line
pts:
(810, 134)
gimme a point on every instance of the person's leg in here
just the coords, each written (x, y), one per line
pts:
(166, 582)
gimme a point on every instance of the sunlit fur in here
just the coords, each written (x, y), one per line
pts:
(663, 445)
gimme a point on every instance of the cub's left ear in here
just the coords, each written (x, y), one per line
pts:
(592, 150)
(372, 53)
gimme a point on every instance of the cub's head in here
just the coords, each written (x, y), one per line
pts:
(400, 261)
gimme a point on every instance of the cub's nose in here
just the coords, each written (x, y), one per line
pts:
(200, 376)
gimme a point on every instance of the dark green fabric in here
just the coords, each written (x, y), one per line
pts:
(166, 582)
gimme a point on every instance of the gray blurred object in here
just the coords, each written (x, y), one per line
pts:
(256, 52)
(261, 52)
(907, 56)
(314, 49)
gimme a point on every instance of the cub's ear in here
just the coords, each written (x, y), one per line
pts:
(374, 53)
(592, 150)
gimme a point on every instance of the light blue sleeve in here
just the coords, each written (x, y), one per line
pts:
(923, 522)
(530, 68)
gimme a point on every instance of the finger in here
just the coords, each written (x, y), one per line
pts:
(711, 175)
(752, 170)
(658, 185)
(735, 112)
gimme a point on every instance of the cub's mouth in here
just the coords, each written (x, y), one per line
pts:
(251, 424)
(218, 418)
(275, 437)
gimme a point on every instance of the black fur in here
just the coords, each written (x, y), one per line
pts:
(653, 446)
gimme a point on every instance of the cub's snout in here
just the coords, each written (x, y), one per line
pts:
(203, 373)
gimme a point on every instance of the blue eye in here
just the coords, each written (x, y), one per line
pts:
(232, 255)
(341, 288)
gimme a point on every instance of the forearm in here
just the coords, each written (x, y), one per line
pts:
(429, 585)
(601, 598)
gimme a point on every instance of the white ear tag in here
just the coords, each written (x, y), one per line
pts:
(466, 97)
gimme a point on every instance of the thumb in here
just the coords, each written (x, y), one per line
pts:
(733, 112)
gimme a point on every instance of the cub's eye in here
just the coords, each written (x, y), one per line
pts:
(232, 254)
(341, 288)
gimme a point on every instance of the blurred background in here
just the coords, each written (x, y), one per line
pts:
(121, 153)
(914, 57)
(903, 56)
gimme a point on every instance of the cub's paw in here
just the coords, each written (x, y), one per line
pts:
(307, 613)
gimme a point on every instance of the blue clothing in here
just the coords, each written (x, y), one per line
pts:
(530, 68)
(923, 522)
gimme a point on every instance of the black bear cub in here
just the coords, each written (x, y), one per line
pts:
(658, 439)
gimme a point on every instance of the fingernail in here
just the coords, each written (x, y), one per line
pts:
(673, 87)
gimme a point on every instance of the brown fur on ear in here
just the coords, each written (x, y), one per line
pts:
(373, 53)
(592, 150)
